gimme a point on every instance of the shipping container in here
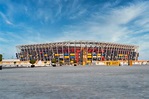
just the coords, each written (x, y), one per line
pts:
(98, 54)
(120, 55)
(89, 56)
(88, 61)
(71, 61)
(72, 54)
(56, 54)
(102, 58)
(94, 56)
(66, 56)
(61, 57)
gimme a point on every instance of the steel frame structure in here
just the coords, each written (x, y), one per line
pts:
(47, 51)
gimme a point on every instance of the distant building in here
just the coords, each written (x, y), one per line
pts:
(10, 60)
(77, 50)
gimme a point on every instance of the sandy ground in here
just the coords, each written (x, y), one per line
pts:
(69, 82)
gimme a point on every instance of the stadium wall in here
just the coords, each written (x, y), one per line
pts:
(81, 51)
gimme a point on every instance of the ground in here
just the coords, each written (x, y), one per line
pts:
(75, 82)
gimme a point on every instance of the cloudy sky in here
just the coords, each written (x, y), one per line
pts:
(40, 21)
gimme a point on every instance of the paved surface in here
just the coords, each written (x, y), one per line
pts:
(69, 82)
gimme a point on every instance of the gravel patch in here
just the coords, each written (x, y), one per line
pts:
(75, 82)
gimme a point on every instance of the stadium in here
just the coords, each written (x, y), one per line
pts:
(81, 51)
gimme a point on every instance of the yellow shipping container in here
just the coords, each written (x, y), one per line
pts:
(84, 63)
(66, 56)
(98, 54)
(120, 54)
(71, 61)
(89, 56)
(45, 55)
(72, 54)
(113, 63)
(56, 54)
(88, 61)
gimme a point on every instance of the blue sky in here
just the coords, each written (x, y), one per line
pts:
(40, 21)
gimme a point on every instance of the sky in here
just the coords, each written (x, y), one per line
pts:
(43, 21)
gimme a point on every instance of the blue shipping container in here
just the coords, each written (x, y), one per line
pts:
(66, 54)
(72, 57)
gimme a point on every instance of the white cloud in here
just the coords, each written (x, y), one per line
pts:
(5, 18)
(78, 14)
(113, 26)
(3, 40)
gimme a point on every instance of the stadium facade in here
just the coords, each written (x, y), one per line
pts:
(68, 51)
